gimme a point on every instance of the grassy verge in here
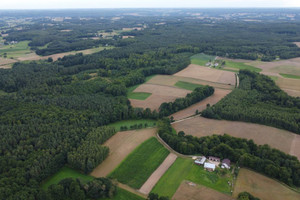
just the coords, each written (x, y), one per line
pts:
(185, 169)
(125, 195)
(290, 76)
(239, 65)
(65, 172)
(187, 85)
(140, 164)
(201, 59)
(134, 124)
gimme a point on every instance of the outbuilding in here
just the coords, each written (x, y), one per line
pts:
(225, 163)
(209, 167)
(200, 161)
(215, 159)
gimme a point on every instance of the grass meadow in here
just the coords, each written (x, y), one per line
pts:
(187, 85)
(240, 65)
(140, 164)
(130, 123)
(138, 95)
(16, 50)
(201, 59)
(290, 76)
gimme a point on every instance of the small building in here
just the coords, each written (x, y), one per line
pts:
(215, 159)
(209, 167)
(200, 161)
(225, 163)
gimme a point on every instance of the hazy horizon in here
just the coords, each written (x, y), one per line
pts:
(96, 4)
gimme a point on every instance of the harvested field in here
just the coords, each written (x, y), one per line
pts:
(120, 146)
(190, 191)
(157, 174)
(168, 80)
(290, 86)
(262, 187)
(213, 99)
(208, 74)
(6, 61)
(160, 94)
(297, 43)
(260, 134)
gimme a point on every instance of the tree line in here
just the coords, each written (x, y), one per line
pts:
(261, 158)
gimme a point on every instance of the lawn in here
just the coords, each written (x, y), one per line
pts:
(16, 50)
(185, 169)
(65, 172)
(138, 95)
(201, 59)
(187, 85)
(140, 164)
(240, 65)
(129, 123)
(125, 195)
(290, 76)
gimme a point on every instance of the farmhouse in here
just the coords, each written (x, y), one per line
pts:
(225, 163)
(200, 160)
(209, 167)
(215, 159)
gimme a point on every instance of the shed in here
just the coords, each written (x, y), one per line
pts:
(209, 167)
(216, 159)
(225, 163)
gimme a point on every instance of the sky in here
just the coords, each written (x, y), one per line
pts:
(61, 4)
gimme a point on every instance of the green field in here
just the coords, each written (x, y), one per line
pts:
(140, 164)
(185, 169)
(125, 195)
(128, 123)
(138, 95)
(201, 59)
(240, 65)
(290, 76)
(16, 50)
(65, 172)
(187, 85)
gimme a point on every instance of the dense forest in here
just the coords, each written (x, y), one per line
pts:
(245, 153)
(259, 100)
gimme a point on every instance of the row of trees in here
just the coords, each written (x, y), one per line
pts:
(197, 95)
(259, 100)
(260, 158)
(90, 153)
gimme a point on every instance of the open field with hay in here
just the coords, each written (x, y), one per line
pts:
(140, 164)
(262, 187)
(289, 85)
(207, 74)
(260, 134)
(185, 169)
(190, 191)
(120, 146)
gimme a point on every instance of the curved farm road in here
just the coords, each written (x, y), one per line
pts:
(121, 145)
(285, 141)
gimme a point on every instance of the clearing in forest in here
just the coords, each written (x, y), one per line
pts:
(120, 146)
(160, 94)
(260, 134)
(140, 164)
(202, 59)
(208, 74)
(185, 169)
(192, 191)
(200, 106)
(262, 187)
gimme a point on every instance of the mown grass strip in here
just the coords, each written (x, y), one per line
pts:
(240, 65)
(290, 76)
(187, 85)
(140, 164)
(138, 95)
(133, 124)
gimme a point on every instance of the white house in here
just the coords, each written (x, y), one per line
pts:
(200, 160)
(209, 167)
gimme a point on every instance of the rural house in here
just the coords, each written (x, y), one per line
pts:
(225, 163)
(209, 167)
(200, 160)
(216, 159)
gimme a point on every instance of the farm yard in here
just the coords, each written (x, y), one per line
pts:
(140, 164)
(120, 146)
(191, 191)
(262, 187)
(260, 134)
(185, 169)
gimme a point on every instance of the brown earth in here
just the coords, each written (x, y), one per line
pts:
(6, 61)
(262, 187)
(159, 95)
(213, 99)
(120, 146)
(289, 85)
(207, 74)
(260, 134)
(191, 191)
(168, 80)
(157, 174)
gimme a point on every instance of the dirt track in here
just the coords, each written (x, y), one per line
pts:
(215, 98)
(121, 145)
(157, 174)
(207, 74)
(260, 134)
(191, 191)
